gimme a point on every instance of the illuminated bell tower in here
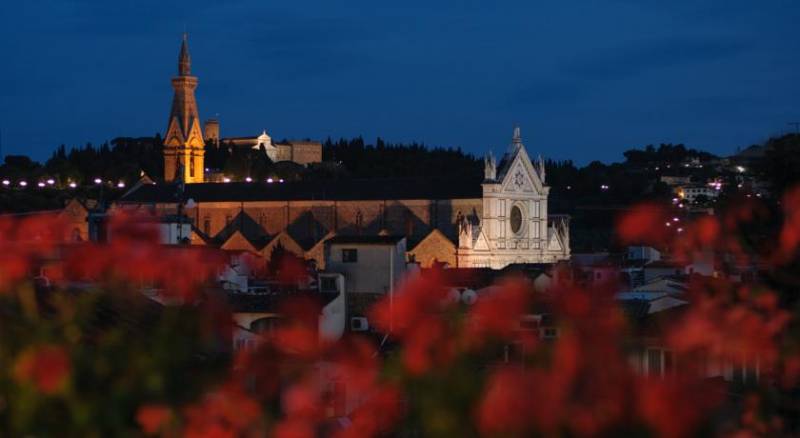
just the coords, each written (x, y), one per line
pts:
(184, 146)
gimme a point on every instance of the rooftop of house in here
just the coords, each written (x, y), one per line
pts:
(273, 302)
(365, 240)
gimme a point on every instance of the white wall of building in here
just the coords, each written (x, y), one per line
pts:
(377, 269)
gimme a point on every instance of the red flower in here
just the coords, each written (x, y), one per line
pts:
(507, 403)
(643, 224)
(790, 232)
(497, 313)
(415, 315)
(674, 407)
(228, 412)
(47, 367)
(153, 418)
(294, 429)
(375, 416)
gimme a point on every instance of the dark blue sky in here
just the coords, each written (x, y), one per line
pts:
(585, 79)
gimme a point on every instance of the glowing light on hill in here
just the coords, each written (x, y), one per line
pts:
(98, 181)
(23, 183)
(6, 182)
(72, 185)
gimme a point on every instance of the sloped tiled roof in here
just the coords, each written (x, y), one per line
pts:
(237, 241)
(365, 240)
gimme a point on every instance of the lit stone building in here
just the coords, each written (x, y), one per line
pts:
(299, 151)
(184, 147)
(500, 222)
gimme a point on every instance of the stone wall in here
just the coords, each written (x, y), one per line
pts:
(411, 218)
(306, 152)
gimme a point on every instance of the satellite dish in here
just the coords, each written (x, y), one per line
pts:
(190, 203)
(453, 296)
(469, 297)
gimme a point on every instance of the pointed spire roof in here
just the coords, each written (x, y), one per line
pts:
(184, 60)
(516, 139)
(513, 150)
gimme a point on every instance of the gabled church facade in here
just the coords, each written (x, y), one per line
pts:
(513, 226)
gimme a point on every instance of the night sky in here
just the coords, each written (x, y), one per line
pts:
(585, 80)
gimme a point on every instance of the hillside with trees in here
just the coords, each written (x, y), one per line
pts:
(593, 195)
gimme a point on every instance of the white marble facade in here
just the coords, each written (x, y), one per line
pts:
(514, 226)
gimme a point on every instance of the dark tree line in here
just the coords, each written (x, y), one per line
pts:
(124, 159)
(382, 159)
(665, 153)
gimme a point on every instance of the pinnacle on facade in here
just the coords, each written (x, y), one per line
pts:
(516, 140)
(184, 60)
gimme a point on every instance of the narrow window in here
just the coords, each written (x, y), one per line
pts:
(359, 220)
(349, 255)
(409, 224)
(207, 226)
(654, 364)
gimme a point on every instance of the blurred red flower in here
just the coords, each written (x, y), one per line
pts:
(228, 411)
(152, 418)
(643, 224)
(497, 313)
(675, 406)
(47, 367)
(507, 403)
(790, 232)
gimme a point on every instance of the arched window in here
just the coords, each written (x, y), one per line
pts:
(515, 220)
(76, 235)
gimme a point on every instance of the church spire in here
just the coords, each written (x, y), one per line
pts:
(183, 141)
(516, 140)
(184, 60)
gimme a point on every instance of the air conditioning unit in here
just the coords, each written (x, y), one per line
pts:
(359, 324)
(469, 296)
